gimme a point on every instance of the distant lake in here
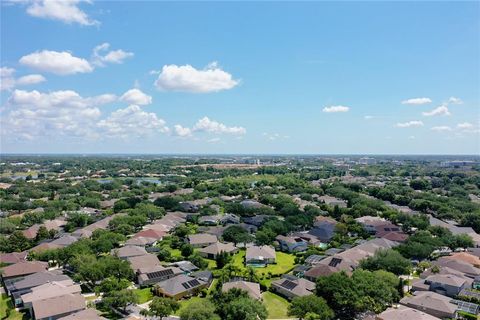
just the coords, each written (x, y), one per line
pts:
(138, 180)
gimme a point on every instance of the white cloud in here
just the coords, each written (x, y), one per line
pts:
(66, 11)
(182, 131)
(368, 117)
(417, 101)
(31, 114)
(413, 123)
(214, 140)
(112, 56)
(211, 126)
(7, 81)
(188, 79)
(411, 138)
(441, 110)
(132, 122)
(60, 63)
(454, 100)
(274, 136)
(30, 79)
(441, 128)
(336, 109)
(136, 96)
(465, 125)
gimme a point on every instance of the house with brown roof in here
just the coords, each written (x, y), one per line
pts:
(141, 242)
(211, 251)
(13, 257)
(151, 233)
(432, 303)
(252, 288)
(58, 307)
(465, 257)
(201, 240)
(49, 290)
(22, 269)
(445, 284)
(144, 261)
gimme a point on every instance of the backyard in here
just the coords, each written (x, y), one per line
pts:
(277, 306)
(7, 311)
(285, 263)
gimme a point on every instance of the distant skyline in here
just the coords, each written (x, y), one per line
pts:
(240, 78)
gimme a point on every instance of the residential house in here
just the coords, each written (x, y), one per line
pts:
(230, 218)
(432, 303)
(13, 257)
(332, 201)
(211, 251)
(209, 220)
(152, 275)
(204, 275)
(22, 269)
(466, 257)
(185, 266)
(323, 231)
(17, 287)
(252, 288)
(179, 287)
(292, 287)
(201, 240)
(49, 290)
(58, 307)
(128, 251)
(257, 220)
(251, 204)
(141, 242)
(87, 231)
(402, 313)
(65, 240)
(466, 268)
(291, 243)
(150, 233)
(314, 259)
(445, 284)
(260, 255)
(144, 261)
(87, 314)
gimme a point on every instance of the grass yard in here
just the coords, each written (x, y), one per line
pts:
(277, 306)
(256, 177)
(186, 302)
(285, 263)
(7, 311)
(144, 295)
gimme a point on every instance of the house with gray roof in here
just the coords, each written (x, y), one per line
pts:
(260, 255)
(22, 269)
(466, 268)
(87, 314)
(128, 251)
(49, 290)
(432, 303)
(152, 275)
(445, 284)
(292, 287)
(179, 287)
(291, 243)
(252, 288)
(402, 313)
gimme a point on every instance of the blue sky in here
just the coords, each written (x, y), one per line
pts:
(231, 77)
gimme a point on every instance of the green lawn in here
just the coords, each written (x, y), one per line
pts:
(277, 306)
(285, 263)
(7, 311)
(186, 302)
(144, 295)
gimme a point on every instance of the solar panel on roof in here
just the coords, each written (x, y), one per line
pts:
(191, 284)
(186, 285)
(467, 306)
(335, 262)
(160, 274)
(289, 285)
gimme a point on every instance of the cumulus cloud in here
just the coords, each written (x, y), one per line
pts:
(132, 122)
(31, 114)
(66, 11)
(137, 97)
(30, 79)
(441, 128)
(211, 126)
(182, 131)
(465, 125)
(188, 79)
(102, 55)
(454, 100)
(60, 63)
(417, 101)
(413, 123)
(332, 109)
(441, 110)
(8, 81)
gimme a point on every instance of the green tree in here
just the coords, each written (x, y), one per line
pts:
(389, 260)
(163, 307)
(120, 299)
(199, 310)
(312, 305)
(236, 234)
